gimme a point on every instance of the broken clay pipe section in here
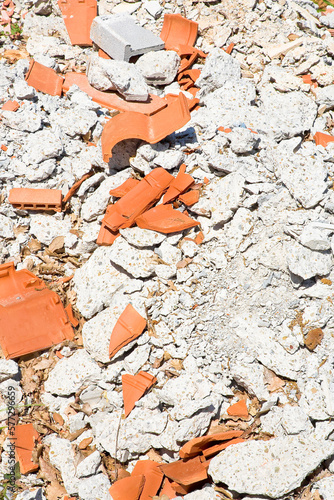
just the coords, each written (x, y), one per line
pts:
(32, 317)
(134, 387)
(152, 129)
(36, 199)
(78, 16)
(44, 79)
(129, 326)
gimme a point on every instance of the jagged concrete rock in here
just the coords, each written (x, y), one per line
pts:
(62, 456)
(95, 488)
(41, 146)
(159, 67)
(74, 121)
(6, 227)
(8, 369)
(138, 263)
(325, 487)
(242, 140)
(307, 263)
(142, 238)
(218, 69)
(89, 466)
(272, 468)
(46, 227)
(24, 119)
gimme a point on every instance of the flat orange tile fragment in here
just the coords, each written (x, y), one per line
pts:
(73, 320)
(167, 489)
(78, 16)
(186, 472)
(165, 219)
(36, 199)
(134, 387)
(213, 450)
(199, 238)
(239, 409)
(44, 79)
(32, 317)
(140, 198)
(103, 54)
(75, 187)
(178, 31)
(153, 128)
(206, 181)
(129, 326)
(229, 49)
(111, 100)
(128, 488)
(106, 236)
(24, 440)
(153, 477)
(308, 79)
(190, 198)
(179, 185)
(3, 147)
(322, 139)
(124, 188)
(180, 489)
(197, 445)
(10, 106)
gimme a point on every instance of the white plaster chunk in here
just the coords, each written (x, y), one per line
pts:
(325, 97)
(307, 263)
(323, 73)
(250, 375)
(325, 487)
(242, 140)
(153, 8)
(98, 280)
(189, 248)
(95, 488)
(272, 468)
(24, 120)
(168, 253)
(136, 359)
(205, 493)
(40, 172)
(294, 420)
(71, 373)
(106, 74)
(184, 387)
(23, 90)
(220, 198)
(219, 68)
(165, 272)
(6, 227)
(74, 121)
(89, 466)
(47, 227)
(142, 238)
(237, 229)
(169, 159)
(159, 67)
(41, 146)
(315, 239)
(8, 369)
(138, 263)
(62, 457)
(282, 78)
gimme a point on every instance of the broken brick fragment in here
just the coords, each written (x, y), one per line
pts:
(78, 16)
(190, 198)
(213, 450)
(44, 79)
(124, 188)
(36, 199)
(75, 187)
(186, 472)
(179, 185)
(238, 409)
(128, 488)
(24, 440)
(167, 489)
(322, 139)
(165, 219)
(10, 106)
(129, 326)
(197, 445)
(134, 387)
(70, 315)
(153, 477)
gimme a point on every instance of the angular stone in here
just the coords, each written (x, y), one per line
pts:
(95, 487)
(307, 263)
(159, 68)
(89, 466)
(47, 227)
(138, 263)
(142, 238)
(219, 68)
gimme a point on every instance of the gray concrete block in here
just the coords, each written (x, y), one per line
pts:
(121, 38)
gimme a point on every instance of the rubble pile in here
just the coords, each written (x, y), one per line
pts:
(166, 250)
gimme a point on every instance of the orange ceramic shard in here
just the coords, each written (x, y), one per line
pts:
(128, 488)
(179, 185)
(145, 194)
(322, 139)
(190, 198)
(186, 472)
(165, 219)
(32, 317)
(134, 387)
(192, 74)
(239, 409)
(167, 489)
(213, 450)
(106, 236)
(178, 30)
(111, 100)
(226, 130)
(10, 106)
(75, 187)
(197, 445)
(78, 16)
(44, 79)
(153, 477)
(229, 49)
(124, 188)
(129, 326)
(152, 129)
(70, 315)
(103, 54)
(24, 442)
(36, 199)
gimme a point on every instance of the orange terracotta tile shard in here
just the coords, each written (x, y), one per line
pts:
(36, 199)
(213, 450)
(129, 326)
(111, 100)
(197, 445)
(134, 387)
(24, 440)
(70, 315)
(226, 130)
(106, 236)
(153, 477)
(145, 194)
(124, 188)
(32, 317)
(167, 489)
(75, 187)
(186, 472)
(10, 106)
(3, 147)
(44, 79)
(78, 16)
(179, 185)
(103, 54)
(178, 31)
(322, 139)
(190, 198)
(238, 409)
(132, 125)
(229, 49)
(128, 488)
(165, 219)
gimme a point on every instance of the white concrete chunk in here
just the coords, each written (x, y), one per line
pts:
(159, 68)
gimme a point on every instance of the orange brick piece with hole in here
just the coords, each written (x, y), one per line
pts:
(153, 477)
(44, 79)
(25, 437)
(129, 326)
(134, 387)
(239, 409)
(36, 199)
(128, 488)
(10, 106)
(32, 317)
(78, 16)
(165, 219)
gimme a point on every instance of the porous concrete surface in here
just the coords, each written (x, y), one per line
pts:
(248, 313)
